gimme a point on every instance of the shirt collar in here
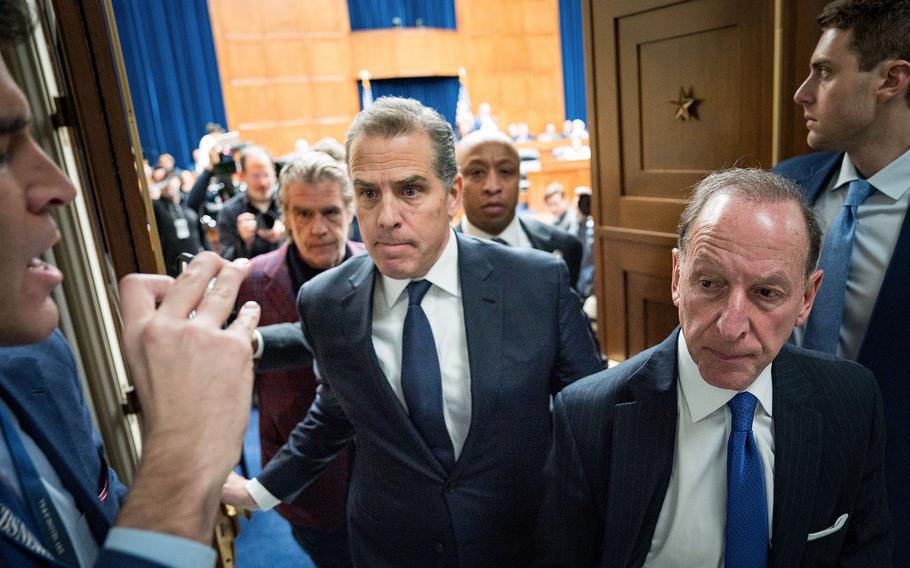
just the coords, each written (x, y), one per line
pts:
(702, 398)
(512, 234)
(443, 274)
(890, 180)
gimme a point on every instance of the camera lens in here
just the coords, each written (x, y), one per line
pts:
(265, 221)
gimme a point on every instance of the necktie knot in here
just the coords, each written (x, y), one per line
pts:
(742, 409)
(417, 289)
(857, 192)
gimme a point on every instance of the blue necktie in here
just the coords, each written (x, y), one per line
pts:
(421, 381)
(36, 499)
(746, 543)
(823, 327)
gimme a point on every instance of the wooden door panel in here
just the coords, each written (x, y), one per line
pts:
(708, 49)
(645, 160)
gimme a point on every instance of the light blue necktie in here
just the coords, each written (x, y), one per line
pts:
(823, 327)
(421, 381)
(746, 543)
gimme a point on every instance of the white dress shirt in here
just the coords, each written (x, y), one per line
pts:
(443, 307)
(513, 234)
(691, 527)
(878, 224)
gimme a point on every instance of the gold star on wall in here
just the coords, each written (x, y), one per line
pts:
(686, 105)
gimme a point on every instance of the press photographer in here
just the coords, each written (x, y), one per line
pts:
(250, 222)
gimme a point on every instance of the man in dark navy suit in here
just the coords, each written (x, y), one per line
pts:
(857, 108)
(725, 445)
(58, 498)
(439, 354)
(489, 163)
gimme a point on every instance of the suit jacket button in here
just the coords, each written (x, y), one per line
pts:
(439, 547)
(450, 486)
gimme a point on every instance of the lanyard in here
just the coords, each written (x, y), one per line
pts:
(36, 499)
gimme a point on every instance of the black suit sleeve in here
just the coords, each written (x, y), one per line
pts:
(869, 540)
(572, 255)
(313, 444)
(283, 347)
(569, 527)
(578, 352)
(195, 199)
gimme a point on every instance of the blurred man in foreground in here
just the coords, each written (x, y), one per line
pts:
(58, 499)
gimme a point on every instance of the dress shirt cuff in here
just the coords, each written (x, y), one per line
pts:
(260, 347)
(263, 498)
(164, 549)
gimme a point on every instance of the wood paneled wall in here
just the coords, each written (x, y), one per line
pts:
(285, 69)
(511, 49)
(289, 69)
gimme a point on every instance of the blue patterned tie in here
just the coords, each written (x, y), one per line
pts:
(746, 543)
(421, 381)
(823, 327)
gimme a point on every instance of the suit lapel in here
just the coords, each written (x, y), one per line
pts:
(481, 297)
(357, 314)
(538, 241)
(644, 437)
(815, 179)
(797, 458)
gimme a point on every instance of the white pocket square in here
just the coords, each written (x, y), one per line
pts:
(838, 524)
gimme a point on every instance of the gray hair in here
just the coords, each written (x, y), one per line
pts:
(758, 186)
(312, 168)
(390, 117)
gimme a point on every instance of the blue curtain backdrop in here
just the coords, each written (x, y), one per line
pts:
(374, 14)
(172, 72)
(438, 93)
(573, 59)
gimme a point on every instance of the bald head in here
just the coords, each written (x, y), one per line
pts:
(489, 163)
(481, 137)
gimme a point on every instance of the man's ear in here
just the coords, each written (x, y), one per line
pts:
(895, 75)
(454, 195)
(812, 286)
(674, 283)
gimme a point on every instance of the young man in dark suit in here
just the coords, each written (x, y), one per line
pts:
(725, 445)
(439, 354)
(857, 107)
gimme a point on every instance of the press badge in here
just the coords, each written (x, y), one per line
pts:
(182, 228)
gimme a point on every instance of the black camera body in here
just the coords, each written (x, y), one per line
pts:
(584, 204)
(266, 221)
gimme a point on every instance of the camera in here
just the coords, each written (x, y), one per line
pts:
(227, 164)
(266, 221)
(584, 204)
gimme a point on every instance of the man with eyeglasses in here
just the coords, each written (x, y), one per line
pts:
(250, 222)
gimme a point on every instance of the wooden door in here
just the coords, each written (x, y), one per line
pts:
(677, 89)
